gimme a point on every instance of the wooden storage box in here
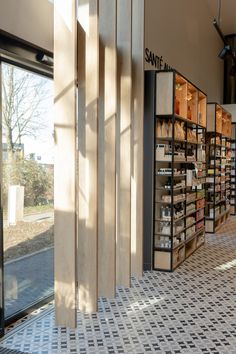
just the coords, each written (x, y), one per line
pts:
(200, 203)
(178, 255)
(162, 260)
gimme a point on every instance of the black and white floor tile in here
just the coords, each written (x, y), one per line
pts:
(190, 311)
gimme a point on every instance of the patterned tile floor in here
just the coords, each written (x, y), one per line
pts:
(192, 310)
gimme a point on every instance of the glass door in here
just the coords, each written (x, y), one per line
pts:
(27, 176)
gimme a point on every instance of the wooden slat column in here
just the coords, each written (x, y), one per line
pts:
(137, 138)
(107, 149)
(123, 142)
(65, 44)
(88, 57)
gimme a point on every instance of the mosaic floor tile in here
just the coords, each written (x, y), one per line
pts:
(9, 351)
(190, 311)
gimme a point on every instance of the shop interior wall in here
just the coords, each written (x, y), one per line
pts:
(183, 34)
(30, 20)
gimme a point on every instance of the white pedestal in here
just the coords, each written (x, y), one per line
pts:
(15, 204)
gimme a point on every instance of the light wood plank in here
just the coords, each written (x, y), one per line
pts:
(64, 119)
(137, 138)
(123, 143)
(107, 150)
(211, 117)
(164, 93)
(162, 260)
(88, 57)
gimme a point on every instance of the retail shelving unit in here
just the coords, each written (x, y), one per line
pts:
(179, 112)
(218, 166)
(233, 169)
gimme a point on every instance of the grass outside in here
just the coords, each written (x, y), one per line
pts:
(37, 209)
(26, 238)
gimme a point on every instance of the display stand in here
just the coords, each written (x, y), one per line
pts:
(218, 166)
(179, 112)
(233, 169)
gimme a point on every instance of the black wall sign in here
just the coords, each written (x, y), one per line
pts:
(156, 61)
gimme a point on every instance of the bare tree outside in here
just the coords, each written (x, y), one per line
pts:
(27, 178)
(22, 113)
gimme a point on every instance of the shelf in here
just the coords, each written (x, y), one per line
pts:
(174, 203)
(179, 245)
(163, 249)
(216, 203)
(190, 213)
(164, 235)
(169, 220)
(175, 161)
(193, 201)
(219, 179)
(200, 208)
(216, 145)
(195, 234)
(189, 202)
(203, 217)
(195, 143)
(178, 117)
(169, 189)
(217, 217)
(169, 258)
(188, 227)
(213, 175)
(192, 142)
(170, 139)
(170, 175)
(170, 161)
(181, 218)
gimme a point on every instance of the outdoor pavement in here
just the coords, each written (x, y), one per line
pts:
(28, 279)
(49, 216)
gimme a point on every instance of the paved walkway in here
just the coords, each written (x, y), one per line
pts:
(38, 217)
(49, 216)
(27, 280)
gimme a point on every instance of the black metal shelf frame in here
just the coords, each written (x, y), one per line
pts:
(211, 155)
(184, 164)
(233, 167)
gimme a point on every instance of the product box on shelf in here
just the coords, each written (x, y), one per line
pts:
(190, 232)
(200, 214)
(178, 255)
(191, 197)
(199, 225)
(200, 203)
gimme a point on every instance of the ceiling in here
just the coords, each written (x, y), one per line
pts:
(228, 14)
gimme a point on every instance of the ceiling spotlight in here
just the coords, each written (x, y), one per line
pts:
(225, 51)
(44, 59)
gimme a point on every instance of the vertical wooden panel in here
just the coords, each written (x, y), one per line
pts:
(65, 113)
(123, 142)
(137, 138)
(107, 128)
(87, 141)
(2, 317)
